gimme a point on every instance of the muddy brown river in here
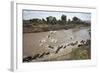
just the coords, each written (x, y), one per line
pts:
(37, 43)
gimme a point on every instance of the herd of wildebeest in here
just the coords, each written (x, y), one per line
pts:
(79, 44)
(38, 56)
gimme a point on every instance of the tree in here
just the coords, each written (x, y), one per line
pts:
(51, 20)
(63, 19)
(43, 21)
(75, 19)
(54, 21)
(69, 21)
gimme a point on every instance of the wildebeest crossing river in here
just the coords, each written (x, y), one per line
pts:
(53, 45)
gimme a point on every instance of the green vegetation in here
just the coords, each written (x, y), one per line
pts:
(79, 54)
(83, 52)
(51, 23)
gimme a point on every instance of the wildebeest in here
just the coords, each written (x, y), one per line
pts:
(73, 44)
(30, 58)
(59, 47)
(36, 56)
(48, 36)
(80, 45)
(88, 42)
(42, 55)
(82, 41)
(68, 44)
(42, 42)
(64, 46)
(51, 47)
(47, 53)
(76, 43)
(27, 59)
(53, 40)
(52, 32)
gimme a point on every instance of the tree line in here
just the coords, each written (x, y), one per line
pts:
(51, 20)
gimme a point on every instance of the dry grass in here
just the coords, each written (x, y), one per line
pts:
(80, 54)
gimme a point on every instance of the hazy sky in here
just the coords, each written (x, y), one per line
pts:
(30, 14)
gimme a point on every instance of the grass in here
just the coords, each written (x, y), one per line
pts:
(80, 54)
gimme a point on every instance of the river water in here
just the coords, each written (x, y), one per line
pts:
(34, 43)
